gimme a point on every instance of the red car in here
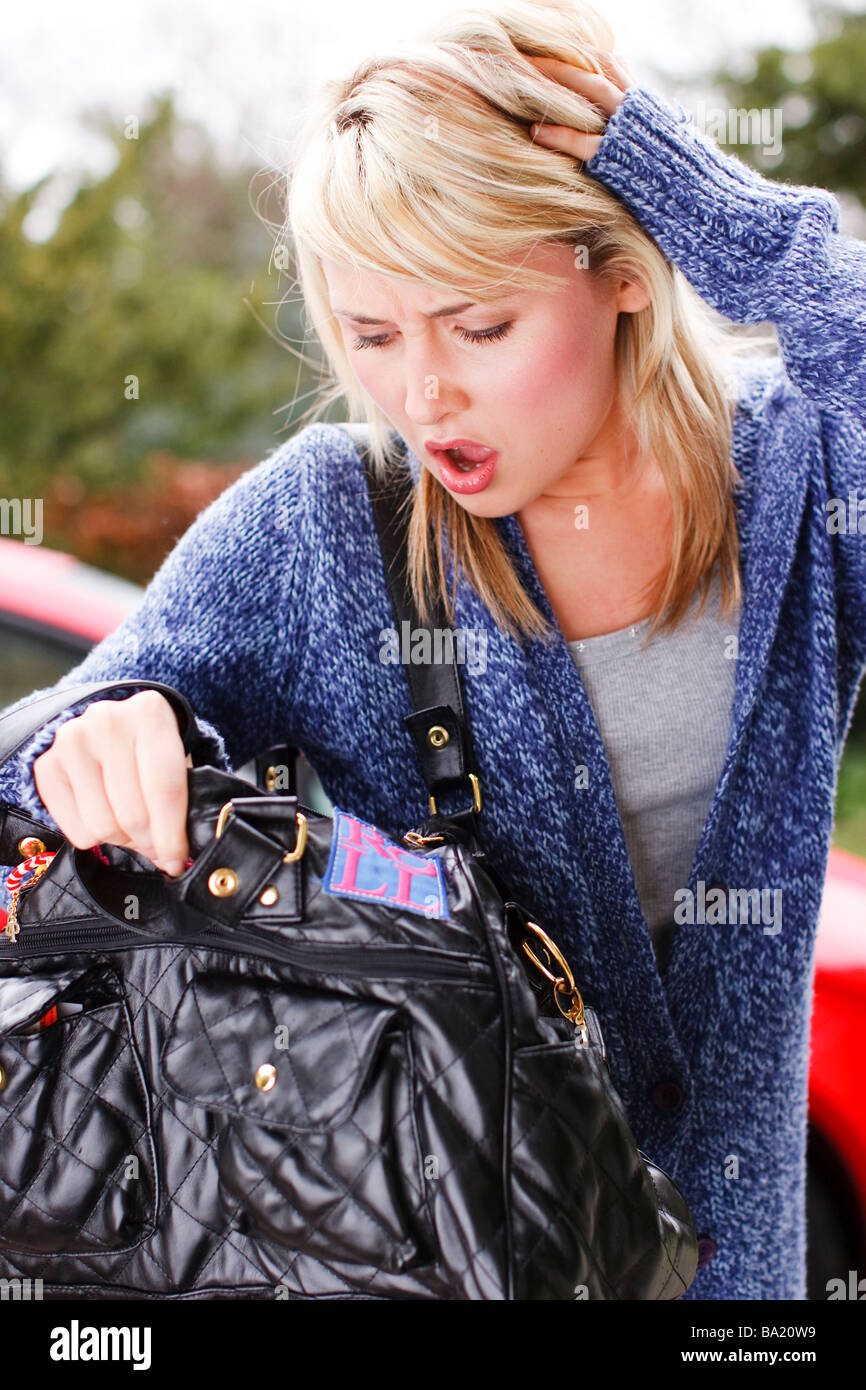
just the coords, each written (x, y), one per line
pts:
(53, 609)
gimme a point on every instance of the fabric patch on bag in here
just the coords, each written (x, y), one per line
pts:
(365, 864)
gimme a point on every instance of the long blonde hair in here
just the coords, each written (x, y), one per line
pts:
(420, 165)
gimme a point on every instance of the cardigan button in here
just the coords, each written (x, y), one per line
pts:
(706, 1250)
(667, 1095)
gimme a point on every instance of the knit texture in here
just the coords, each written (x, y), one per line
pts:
(268, 615)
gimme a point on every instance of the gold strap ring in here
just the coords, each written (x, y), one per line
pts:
(562, 984)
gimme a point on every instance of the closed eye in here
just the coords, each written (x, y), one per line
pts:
(487, 335)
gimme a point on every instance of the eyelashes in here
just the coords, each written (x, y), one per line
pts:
(487, 335)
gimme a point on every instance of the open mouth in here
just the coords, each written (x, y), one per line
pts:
(468, 456)
(459, 459)
(467, 468)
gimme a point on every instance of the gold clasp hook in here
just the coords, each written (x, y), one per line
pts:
(562, 984)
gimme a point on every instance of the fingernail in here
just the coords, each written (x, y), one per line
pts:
(174, 867)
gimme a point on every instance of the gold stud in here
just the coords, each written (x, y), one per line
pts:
(438, 736)
(266, 1077)
(2, 1078)
(269, 896)
(222, 883)
(30, 845)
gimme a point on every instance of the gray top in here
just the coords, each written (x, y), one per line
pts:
(663, 712)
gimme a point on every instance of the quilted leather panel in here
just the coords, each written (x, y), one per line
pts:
(678, 1232)
(327, 1160)
(352, 1192)
(604, 1238)
(320, 1045)
(77, 1168)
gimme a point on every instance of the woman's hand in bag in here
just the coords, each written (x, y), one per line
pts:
(117, 774)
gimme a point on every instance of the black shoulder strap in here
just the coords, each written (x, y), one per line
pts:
(438, 722)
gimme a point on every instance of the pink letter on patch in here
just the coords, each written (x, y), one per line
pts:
(365, 864)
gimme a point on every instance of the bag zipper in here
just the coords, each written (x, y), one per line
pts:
(427, 962)
(420, 962)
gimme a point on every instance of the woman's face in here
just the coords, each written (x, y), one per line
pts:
(537, 385)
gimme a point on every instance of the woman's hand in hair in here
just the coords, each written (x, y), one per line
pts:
(604, 91)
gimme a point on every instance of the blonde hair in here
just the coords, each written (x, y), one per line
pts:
(420, 165)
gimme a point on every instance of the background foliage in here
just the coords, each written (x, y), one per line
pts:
(159, 271)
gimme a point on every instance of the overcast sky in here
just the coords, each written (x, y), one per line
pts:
(244, 68)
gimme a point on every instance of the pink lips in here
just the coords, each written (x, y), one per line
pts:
(458, 480)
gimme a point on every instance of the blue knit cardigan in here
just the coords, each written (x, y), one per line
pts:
(268, 615)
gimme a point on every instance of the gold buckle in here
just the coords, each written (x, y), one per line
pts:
(300, 821)
(476, 795)
(562, 984)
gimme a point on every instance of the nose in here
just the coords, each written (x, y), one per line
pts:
(433, 388)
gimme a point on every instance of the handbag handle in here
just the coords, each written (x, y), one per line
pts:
(18, 728)
(437, 724)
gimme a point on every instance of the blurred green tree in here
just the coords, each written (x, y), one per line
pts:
(145, 321)
(821, 93)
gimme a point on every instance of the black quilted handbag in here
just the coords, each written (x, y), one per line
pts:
(320, 1064)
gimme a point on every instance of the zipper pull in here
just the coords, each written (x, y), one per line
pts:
(15, 886)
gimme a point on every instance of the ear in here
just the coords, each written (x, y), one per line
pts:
(632, 297)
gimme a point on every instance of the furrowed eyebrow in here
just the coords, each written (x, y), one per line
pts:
(435, 314)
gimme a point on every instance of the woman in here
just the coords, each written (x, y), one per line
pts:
(637, 524)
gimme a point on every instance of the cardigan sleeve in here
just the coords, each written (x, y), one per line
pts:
(758, 250)
(219, 621)
(755, 249)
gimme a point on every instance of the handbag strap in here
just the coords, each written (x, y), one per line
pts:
(18, 728)
(437, 723)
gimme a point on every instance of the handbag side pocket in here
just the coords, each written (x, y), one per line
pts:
(314, 1094)
(78, 1171)
(585, 1210)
